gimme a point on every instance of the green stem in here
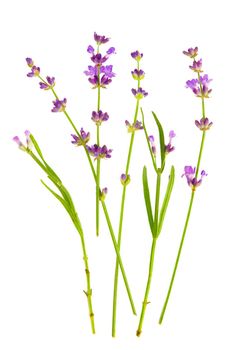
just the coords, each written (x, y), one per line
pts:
(98, 160)
(189, 210)
(152, 256)
(118, 257)
(115, 292)
(88, 292)
(178, 258)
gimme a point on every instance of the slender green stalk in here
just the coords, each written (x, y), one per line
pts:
(98, 160)
(178, 258)
(117, 251)
(188, 212)
(152, 256)
(88, 292)
(115, 292)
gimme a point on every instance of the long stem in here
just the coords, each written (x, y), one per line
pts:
(152, 256)
(88, 292)
(178, 258)
(104, 209)
(114, 313)
(189, 210)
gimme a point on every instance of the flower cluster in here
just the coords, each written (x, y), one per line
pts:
(134, 127)
(99, 74)
(189, 173)
(46, 85)
(99, 152)
(99, 117)
(168, 148)
(20, 143)
(138, 74)
(203, 124)
(199, 86)
(81, 141)
(59, 105)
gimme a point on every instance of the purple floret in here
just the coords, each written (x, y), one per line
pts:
(189, 173)
(59, 105)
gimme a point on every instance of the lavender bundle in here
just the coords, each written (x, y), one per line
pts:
(200, 88)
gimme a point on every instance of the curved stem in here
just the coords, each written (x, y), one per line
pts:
(178, 258)
(152, 256)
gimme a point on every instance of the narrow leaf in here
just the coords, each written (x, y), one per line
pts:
(33, 140)
(147, 199)
(166, 199)
(148, 143)
(161, 139)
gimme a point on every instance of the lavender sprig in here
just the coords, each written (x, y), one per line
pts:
(65, 199)
(200, 88)
(139, 93)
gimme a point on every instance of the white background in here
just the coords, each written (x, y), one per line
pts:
(42, 305)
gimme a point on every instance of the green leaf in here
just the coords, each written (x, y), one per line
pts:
(33, 140)
(148, 143)
(166, 199)
(65, 204)
(147, 199)
(161, 139)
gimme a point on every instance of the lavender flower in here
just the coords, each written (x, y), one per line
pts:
(100, 39)
(92, 71)
(137, 55)
(85, 136)
(103, 193)
(152, 142)
(35, 71)
(107, 70)
(28, 141)
(139, 93)
(200, 87)
(134, 127)
(197, 66)
(90, 49)
(189, 173)
(30, 62)
(169, 148)
(125, 179)
(138, 74)
(192, 53)
(99, 152)
(50, 83)
(98, 59)
(59, 105)
(99, 117)
(203, 124)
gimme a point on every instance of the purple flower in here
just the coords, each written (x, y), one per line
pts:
(139, 93)
(19, 142)
(59, 105)
(169, 148)
(107, 70)
(91, 71)
(200, 87)
(136, 55)
(98, 59)
(30, 62)
(90, 49)
(151, 139)
(85, 136)
(99, 117)
(99, 152)
(203, 124)
(50, 83)
(192, 53)
(133, 127)
(111, 50)
(125, 179)
(35, 71)
(138, 74)
(100, 39)
(197, 66)
(189, 173)
(105, 81)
